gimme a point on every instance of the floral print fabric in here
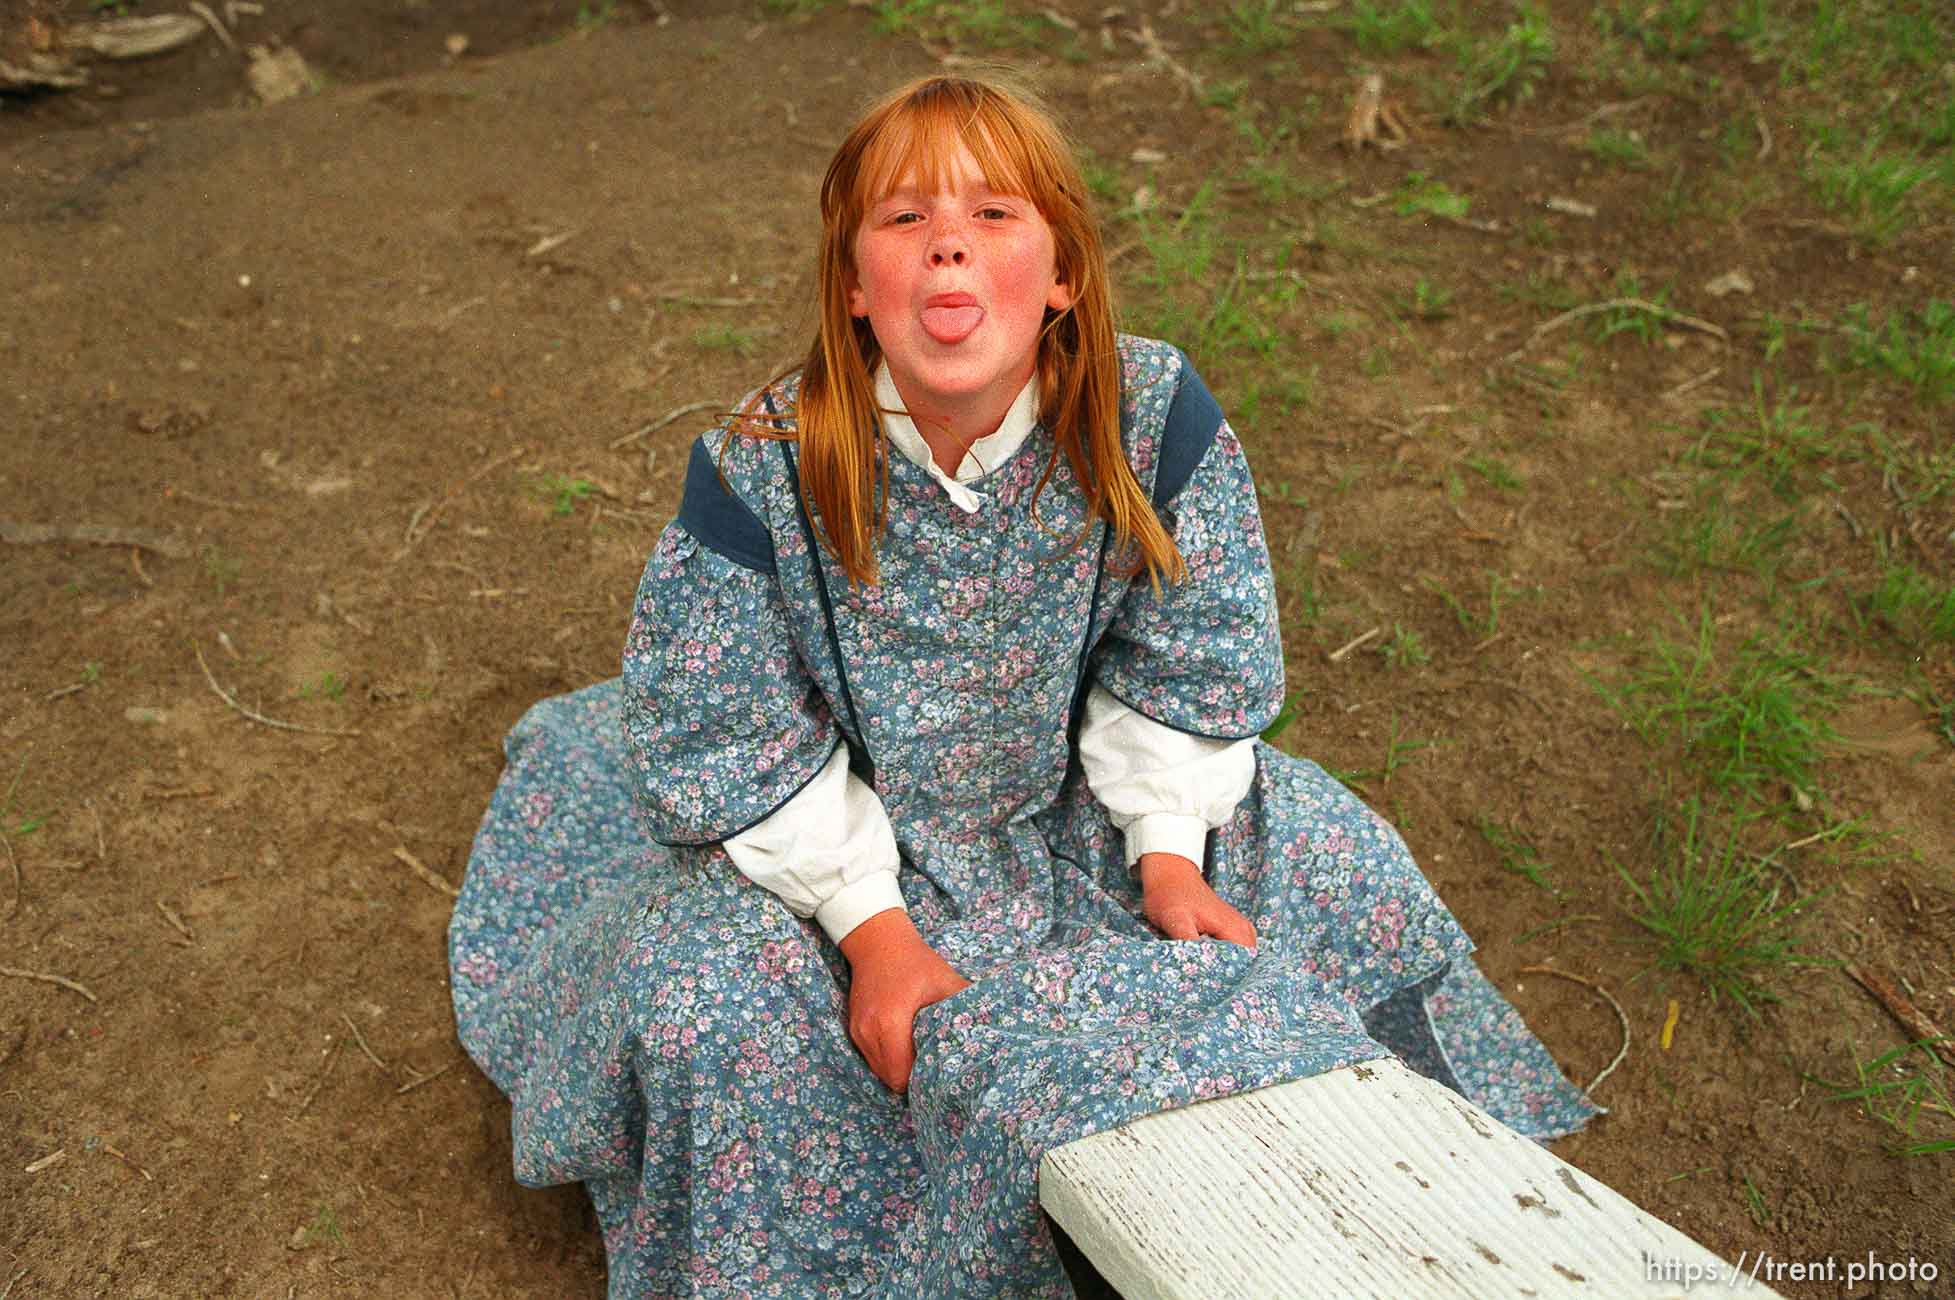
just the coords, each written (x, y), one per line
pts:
(672, 1036)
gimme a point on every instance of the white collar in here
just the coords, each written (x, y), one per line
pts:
(983, 456)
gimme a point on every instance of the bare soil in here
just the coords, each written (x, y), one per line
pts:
(352, 355)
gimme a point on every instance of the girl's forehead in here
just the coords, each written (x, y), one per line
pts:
(932, 155)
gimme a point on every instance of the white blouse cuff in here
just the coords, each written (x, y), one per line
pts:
(829, 852)
(1163, 789)
(1176, 833)
(856, 902)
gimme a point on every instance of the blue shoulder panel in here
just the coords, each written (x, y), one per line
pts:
(720, 520)
(1194, 418)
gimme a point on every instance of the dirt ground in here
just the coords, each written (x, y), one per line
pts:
(365, 366)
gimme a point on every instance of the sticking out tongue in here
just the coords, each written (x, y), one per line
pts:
(951, 324)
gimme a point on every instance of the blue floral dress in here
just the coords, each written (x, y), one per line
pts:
(671, 1035)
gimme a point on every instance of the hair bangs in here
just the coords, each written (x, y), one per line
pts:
(916, 142)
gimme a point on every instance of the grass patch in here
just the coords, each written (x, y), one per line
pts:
(562, 492)
(1744, 721)
(1719, 532)
(1774, 441)
(1618, 148)
(328, 686)
(1917, 607)
(222, 569)
(1503, 69)
(1385, 29)
(989, 24)
(1517, 853)
(1470, 620)
(1897, 1089)
(1404, 648)
(1672, 29)
(1420, 195)
(725, 338)
(1915, 347)
(1716, 911)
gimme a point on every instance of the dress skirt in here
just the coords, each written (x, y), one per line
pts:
(673, 1037)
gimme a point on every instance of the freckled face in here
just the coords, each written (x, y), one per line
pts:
(956, 285)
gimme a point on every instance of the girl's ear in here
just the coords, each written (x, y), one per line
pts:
(1060, 297)
(858, 301)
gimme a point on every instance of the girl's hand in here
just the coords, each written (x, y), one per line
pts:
(1180, 903)
(895, 974)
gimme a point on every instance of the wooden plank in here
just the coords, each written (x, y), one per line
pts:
(1366, 1181)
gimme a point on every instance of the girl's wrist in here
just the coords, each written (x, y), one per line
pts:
(889, 933)
(1164, 867)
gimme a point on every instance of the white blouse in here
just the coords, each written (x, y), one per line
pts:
(830, 853)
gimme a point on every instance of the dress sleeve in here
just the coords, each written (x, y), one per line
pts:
(1164, 789)
(723, 723)
(829, 852)
(1203, 655)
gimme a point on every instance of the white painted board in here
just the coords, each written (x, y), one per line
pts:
(1366, 1181)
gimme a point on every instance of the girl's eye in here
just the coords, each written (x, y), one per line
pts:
(994, 214)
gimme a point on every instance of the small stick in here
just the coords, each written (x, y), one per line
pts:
(47, 979)
(1338, 655)
(12, 1282)
(1614, 304)
(8, 842)
(1622, 1054)
(219, 503)
(1847, 515)
(412, 1084)
(65, 691)
(1551, 926)
(1692, 385)
(427, 875)
(46, 1162)
(147, 1176)
(423, 520)
(689, 300)
(331, 1057)
(101, 840)
(94, 534)
(202, 11)
(176, 922)
(260, 718)
(1902, 1008)
(662, 421)
(136, 563)
(361, 1039)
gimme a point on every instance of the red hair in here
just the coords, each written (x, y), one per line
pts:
(910, 134)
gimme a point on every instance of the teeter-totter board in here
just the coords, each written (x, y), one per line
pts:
(1366, 1181)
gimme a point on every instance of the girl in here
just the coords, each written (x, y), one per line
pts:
(927, 827)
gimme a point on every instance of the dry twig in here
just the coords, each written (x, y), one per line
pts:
(412, 1084)
(95, 535)
(47, 979)
(1618, 304)
(147, 1176)
(674, 414)
(7, 842)
(332, 1056)
(1338, 655)
(427, 874)
(422, 522)
(1622, 1053)
(1917, 1022)
(361, 1039)
(257, 717)
(176, 922)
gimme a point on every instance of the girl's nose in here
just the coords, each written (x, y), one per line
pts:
(948, 245)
